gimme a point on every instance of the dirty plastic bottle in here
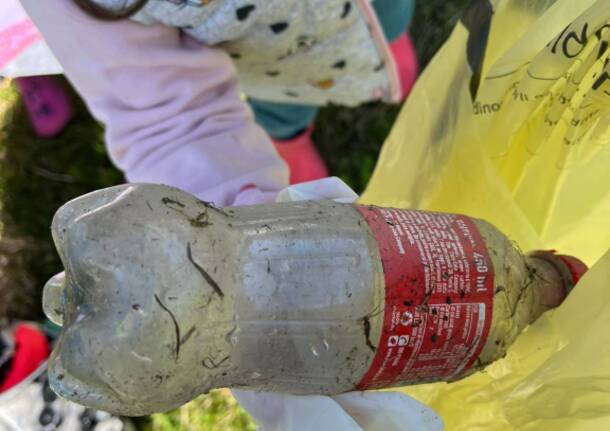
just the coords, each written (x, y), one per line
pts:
(166, 297)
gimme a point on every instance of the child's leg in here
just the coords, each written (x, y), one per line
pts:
(395, 17)
(47, 103)
(406, 62)
(290, 127)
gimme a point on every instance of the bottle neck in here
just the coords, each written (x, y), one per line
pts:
(551, 278)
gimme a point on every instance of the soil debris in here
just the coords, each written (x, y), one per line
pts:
(203, 272)
(176, 326)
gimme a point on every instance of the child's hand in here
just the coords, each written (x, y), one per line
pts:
(353, 411)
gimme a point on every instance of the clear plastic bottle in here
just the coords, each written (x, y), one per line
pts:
(166, 297)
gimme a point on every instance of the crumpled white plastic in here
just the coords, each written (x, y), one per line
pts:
(327, 188)
(354, 411)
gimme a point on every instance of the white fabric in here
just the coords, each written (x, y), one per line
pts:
(354, 411)
(22, 405)
(327, 188)
(315, 35)
(22, 51)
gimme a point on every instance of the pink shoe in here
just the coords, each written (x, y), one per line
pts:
(47, 103)
(303, 159)
(406, 62)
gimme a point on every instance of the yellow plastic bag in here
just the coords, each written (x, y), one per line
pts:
(511, 123)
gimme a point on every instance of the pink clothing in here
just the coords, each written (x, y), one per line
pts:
(47, 102)
(183, 124)
(302, 158)
(15, 39)
(406, 62)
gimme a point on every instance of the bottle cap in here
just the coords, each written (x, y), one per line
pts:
(576, 266)
(570, 268)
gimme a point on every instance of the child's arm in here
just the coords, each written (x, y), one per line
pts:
(171, 106)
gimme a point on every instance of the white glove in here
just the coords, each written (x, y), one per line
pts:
(354, 411)
(328, 188)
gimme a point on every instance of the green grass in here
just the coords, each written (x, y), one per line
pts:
(38, 175)
(215, 411)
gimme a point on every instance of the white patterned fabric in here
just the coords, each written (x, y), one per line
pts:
(33, 406)
(292, 51)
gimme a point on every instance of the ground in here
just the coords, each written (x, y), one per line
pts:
(38, 175)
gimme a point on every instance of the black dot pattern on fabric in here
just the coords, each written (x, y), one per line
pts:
(347, 8)
(306, 41)
(243, 13)
(88, 420)
(47, 393)
(293, 40)
(47, 416)
(279, 27)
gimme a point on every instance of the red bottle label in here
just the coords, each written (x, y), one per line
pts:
(438, 296)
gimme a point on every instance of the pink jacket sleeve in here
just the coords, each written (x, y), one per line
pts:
(171, 106)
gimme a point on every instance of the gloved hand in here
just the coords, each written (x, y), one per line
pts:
(354, 411)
